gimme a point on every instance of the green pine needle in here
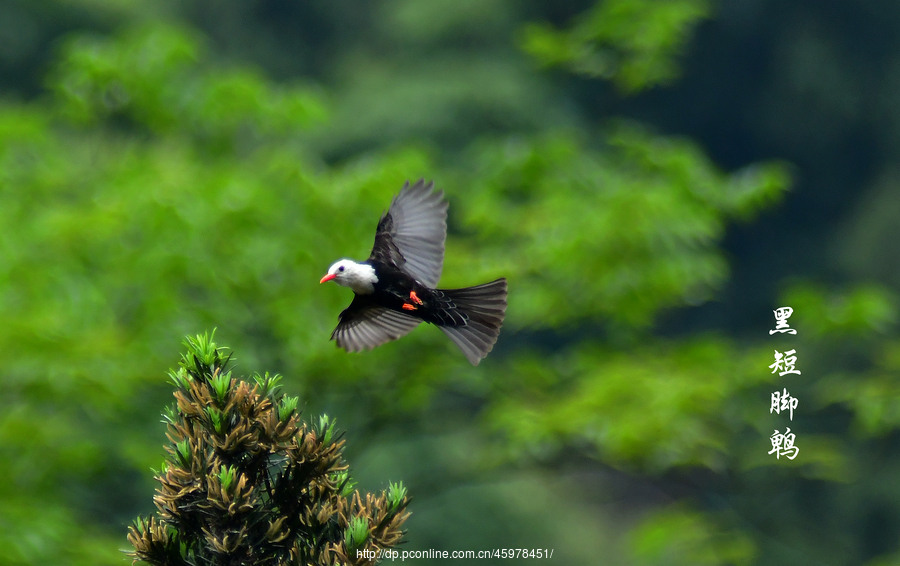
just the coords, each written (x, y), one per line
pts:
(227, 475)
(221, 383)
(216, 418)
(396, 495)
(183, 451)
(356, 534)
(287, 407)
(325, 430)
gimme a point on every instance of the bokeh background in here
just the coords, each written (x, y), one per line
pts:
(653, 177)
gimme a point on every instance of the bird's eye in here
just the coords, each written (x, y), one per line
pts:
(341, 268)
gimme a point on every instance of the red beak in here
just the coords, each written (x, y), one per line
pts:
(328, 277)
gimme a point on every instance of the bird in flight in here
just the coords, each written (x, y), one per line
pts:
(395, 289)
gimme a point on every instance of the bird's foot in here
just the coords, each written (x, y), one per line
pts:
(409, 307)
(415, 298)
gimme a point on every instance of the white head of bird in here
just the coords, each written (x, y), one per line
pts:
(358, 276)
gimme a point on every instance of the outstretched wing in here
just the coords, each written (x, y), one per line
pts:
(364, 325)
(411, 234)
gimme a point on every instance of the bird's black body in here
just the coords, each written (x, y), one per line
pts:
(393, 287)
(392, 291)
(406, 262)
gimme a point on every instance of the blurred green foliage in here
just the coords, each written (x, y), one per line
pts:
(182, 166)
(152, 78)
(634, 43)
(682, 536)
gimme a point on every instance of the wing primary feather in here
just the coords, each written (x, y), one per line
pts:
(411, 234)
(364, 326)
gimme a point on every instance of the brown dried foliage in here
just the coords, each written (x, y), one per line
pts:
(259, 490)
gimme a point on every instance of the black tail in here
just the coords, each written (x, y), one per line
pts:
(482, 309)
